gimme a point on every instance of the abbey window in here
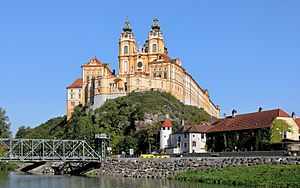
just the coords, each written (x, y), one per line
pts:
(125, 65)
(125, 50)
(154, 47)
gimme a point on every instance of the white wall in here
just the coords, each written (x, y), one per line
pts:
(100, 99)
(165, 133)
(186, 142)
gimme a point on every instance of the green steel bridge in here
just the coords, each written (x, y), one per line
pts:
(44, 150)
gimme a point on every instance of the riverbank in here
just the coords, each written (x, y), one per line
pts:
(260, 175)
(9, 166)
(170, 167)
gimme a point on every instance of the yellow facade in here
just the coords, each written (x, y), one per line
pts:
(143, 68)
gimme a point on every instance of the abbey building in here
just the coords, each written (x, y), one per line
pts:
(140, 68)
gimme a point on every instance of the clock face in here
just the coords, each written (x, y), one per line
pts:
(139, 64)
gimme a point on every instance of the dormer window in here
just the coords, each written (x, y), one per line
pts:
(154, 47)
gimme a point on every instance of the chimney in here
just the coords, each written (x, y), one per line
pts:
(293, 115)
(234, 112)
(114, 72)
(224, 115)
(260, 109)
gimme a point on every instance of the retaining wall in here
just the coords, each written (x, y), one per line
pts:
(163, 168)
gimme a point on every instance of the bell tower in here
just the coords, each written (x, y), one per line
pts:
(155, 40)
(127, 48)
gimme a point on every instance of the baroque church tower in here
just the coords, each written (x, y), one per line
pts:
(127, 48)
(155, 41)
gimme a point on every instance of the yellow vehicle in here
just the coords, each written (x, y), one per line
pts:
(147, 156)
(154, 156)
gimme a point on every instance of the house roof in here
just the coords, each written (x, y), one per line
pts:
(247, 121)
(298, 123)
(93, 62)
(167, 123)
(199, 128)
(162, 58)
(76, 84)
(166, 57)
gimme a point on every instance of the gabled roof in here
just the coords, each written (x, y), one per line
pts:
(76, 84)
(167, 123)
(298, 123)
(247, 121)
(93, 62)
(199, 128)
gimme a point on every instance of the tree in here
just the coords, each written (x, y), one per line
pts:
(23, 131)
(279, 127)
(4, 124)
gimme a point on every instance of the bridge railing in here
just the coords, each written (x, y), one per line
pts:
(46, 150)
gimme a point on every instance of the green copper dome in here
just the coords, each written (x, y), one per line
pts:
(155, 24)
(127, 26)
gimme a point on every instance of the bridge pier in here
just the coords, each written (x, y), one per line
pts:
(32, 166)
(74, 168)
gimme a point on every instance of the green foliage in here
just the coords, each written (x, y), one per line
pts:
(4, 124)
(23, 131)
(51, 129)
(123, 119)
(253, 139)
(254, 176)
(11, 166)
(3, 150)
(277, 129)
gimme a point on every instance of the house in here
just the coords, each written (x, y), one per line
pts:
(252, 131)
(188, 139)
(298, 123)
(262, 130)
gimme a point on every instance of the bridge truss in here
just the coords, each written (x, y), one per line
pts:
(37, 150)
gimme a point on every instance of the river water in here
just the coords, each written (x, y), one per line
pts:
(12, 180)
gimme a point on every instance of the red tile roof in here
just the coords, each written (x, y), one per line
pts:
(167, 123)
(298, 123)
(163, 58)
(76, 84)
(200, 128)
(93, 62)
(166, 57)
(247, 121)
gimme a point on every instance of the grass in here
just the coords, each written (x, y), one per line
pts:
(8, 166)
(261, 175)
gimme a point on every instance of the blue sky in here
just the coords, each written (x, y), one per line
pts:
(247, 53)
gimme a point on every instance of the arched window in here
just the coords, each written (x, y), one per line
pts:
(125, 49)
(125, 64)
(154, 47)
